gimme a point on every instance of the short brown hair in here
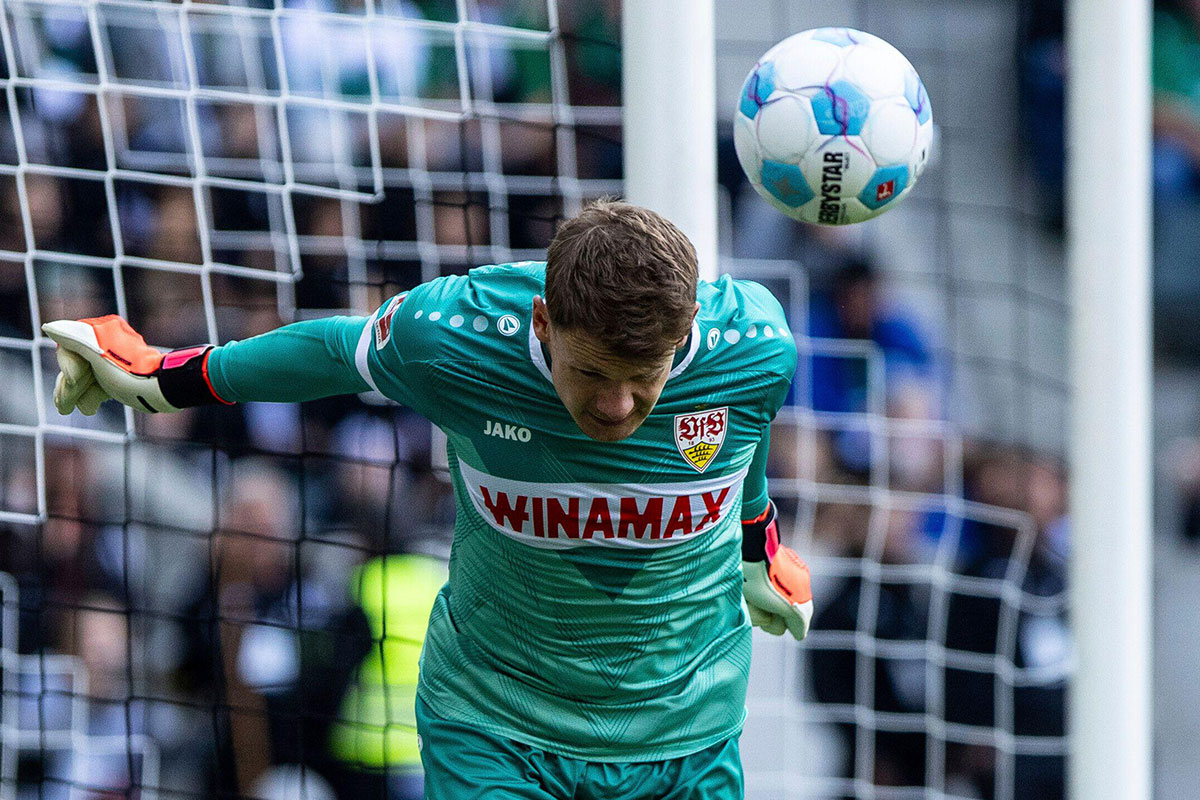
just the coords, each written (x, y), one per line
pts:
(624, 274)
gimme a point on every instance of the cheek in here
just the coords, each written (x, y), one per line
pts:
(646, 399)
(574, 398)
(573, 395)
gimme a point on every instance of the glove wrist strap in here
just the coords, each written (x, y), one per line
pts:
(183, 378)
(760, 536)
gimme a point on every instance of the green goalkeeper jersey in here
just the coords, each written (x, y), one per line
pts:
(593, 607)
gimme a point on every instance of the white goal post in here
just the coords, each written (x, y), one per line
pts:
(1108, 253)
(670, 128)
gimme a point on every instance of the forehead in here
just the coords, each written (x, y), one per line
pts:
(585, 351)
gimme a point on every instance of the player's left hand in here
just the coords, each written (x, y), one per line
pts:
(779, 596)
(775, 580)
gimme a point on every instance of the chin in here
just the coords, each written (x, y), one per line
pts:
(609, 433)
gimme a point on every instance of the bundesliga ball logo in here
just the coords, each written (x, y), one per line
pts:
(833, 126)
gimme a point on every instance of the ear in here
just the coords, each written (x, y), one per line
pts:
(683, 341)
(541, 320)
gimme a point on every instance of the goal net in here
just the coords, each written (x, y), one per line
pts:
(175, 614)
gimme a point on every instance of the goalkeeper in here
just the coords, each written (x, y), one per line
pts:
(607, 418)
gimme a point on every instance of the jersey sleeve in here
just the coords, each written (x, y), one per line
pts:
(414, 346)
(393, 351)
(754, 495)
(303, 361)
(754, 489)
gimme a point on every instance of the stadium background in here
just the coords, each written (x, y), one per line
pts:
(962, 289)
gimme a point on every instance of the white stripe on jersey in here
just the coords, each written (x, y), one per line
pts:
(360, 352)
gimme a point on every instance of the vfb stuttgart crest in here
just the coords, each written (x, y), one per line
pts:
(699, 436)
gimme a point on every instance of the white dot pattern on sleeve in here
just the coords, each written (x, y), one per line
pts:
(456, 321)
(480, 323)
(434, 316)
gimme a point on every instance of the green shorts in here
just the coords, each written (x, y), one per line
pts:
(464, 763)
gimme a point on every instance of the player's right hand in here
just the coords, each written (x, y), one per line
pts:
(104, 358)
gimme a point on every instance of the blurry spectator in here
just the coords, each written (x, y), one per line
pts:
(375, 736)
(1009, 478)
(370, 475)
(856, 307)
(991, 555)
(1176, 82)
(892, 611)
(100, 631)
(1181, 464)
(330, 59)
(72, 555)
(1176, 86)
(326, 282)
(1041, 69)
(508, 71)
(80, 688)
(271, 640)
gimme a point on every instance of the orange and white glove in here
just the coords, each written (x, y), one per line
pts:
(775, 581)
(104, 358)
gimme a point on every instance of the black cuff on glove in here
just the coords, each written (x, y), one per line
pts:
(754, 535)
(183, 378)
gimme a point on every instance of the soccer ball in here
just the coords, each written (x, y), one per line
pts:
(833, 126)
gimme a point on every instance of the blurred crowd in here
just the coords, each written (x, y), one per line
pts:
(1175, 88)
(211, 578)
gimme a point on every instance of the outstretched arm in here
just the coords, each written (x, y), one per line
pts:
(105, 358)
(302, 361)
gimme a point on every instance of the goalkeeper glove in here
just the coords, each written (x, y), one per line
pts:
(775, 581)
(103, 358)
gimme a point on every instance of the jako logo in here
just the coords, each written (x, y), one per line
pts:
(503, 431)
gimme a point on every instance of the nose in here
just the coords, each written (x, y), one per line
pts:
(613, 405)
